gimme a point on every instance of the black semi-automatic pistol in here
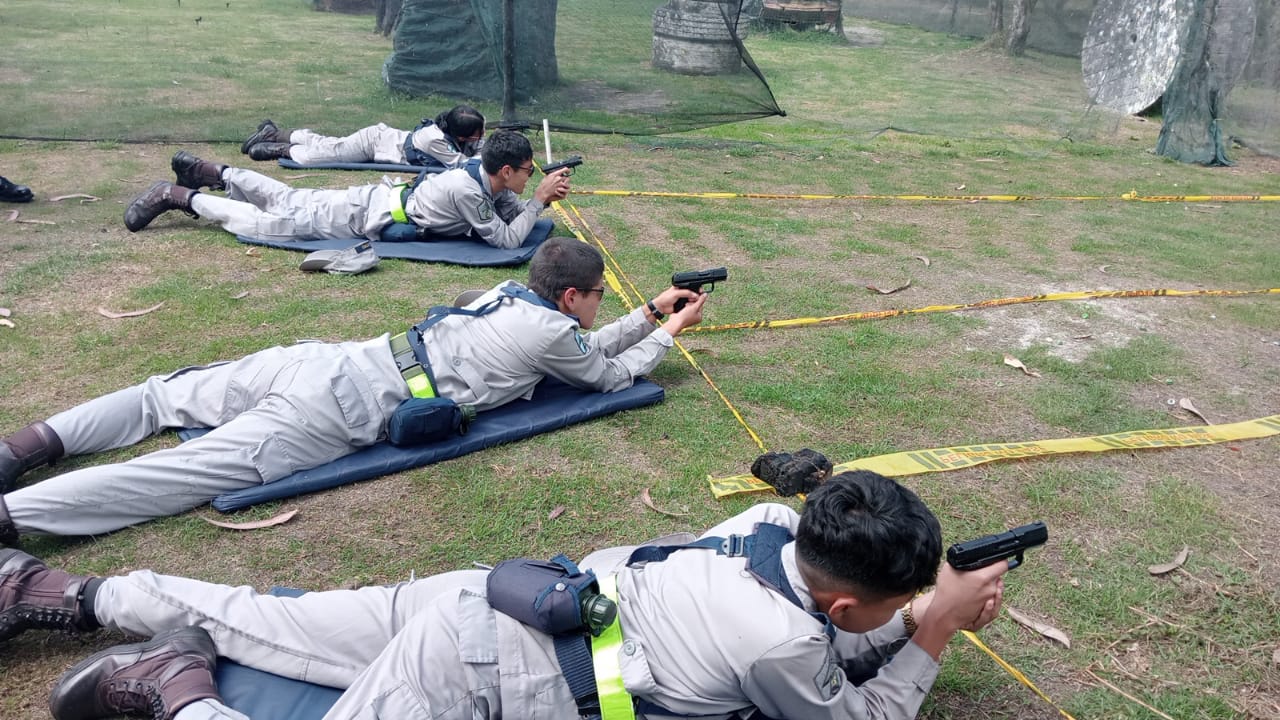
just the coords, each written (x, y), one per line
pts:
(1009, 545)
(570, 162)
(695, 280)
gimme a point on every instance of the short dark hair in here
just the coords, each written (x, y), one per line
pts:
(563, 262)
(505, 147)
(867, 533)
(460, 121)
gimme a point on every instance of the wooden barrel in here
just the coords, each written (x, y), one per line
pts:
(801, 12)
(694, 37)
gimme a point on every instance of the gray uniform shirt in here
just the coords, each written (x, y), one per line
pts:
(703, 637)
(453, 203)
(490, 360)
(432, 141)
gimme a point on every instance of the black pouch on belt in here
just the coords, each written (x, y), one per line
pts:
(422, 420)
(553, 596)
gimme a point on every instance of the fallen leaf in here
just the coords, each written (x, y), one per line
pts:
(1048, 631)
(6, 322)
(1170, 567)
(891, 291)
(84, 198)
(5, 312)
(253, 252)
(1012, 361)
(13, 215)
(960, 187)
(648, 501)
(240, 295)
(280, 519)
(556, 512)
(1103, 268)
(132, 313)
(1185, 404)
(924, 260)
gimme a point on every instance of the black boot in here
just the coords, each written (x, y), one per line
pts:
(269, 150)
(8, 531)
(10, 192)
(34, 597)
(267, 132)
(195, 173)
(30, 447)
(156, 678)
(160, 198)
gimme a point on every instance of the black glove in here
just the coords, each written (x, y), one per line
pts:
(791, 474)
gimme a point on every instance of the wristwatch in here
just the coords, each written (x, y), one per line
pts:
(654, 309)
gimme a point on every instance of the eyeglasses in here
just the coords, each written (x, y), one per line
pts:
(588, 291)
(525, 169)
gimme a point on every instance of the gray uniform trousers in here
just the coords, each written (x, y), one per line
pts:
(275, 412)
(703, 638)
(429, 649)
(377, 143)
(266, 209)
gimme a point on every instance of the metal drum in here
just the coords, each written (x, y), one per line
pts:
(696, 37)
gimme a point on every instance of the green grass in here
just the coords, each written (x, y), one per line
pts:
(963, 117)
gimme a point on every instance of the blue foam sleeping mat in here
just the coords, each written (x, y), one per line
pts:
(379, 167)
(268, 696)
(398, 241)
(554, 405)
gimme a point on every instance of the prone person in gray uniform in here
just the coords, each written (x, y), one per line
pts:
(442, 143)
(480, 199)
(287, 409)
(811, 616)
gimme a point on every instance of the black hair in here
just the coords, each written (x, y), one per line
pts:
(869, 534)
(563, 262)
(461, 121)
(505, 147)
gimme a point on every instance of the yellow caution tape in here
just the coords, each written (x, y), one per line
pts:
(914, 462)
(996, 302)
(1131, 196)
(1013, 671)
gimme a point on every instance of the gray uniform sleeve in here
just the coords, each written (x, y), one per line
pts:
(432, 141)
(509, 220)
(802, 678)
(582, 361)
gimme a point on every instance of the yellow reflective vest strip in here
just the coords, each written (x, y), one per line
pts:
(397, 203)
(615, 701)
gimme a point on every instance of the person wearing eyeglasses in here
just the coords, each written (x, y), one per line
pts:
(480, 199)
(287, 409)
(445, 142)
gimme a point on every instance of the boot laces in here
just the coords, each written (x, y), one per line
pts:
(134, 696)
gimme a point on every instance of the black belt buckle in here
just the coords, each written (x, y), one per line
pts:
(733, 546)
(402, 353)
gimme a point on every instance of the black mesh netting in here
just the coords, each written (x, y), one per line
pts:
(628, 66)
(210, 70)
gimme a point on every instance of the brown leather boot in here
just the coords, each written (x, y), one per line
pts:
(30, 447)
(156, 678)
(270, 150)
(33, 597)
(195, 173)
(267, 132)
(158, 199)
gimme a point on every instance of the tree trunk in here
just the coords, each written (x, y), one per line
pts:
(387, 14)
(1019, 27)
(995, 11)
